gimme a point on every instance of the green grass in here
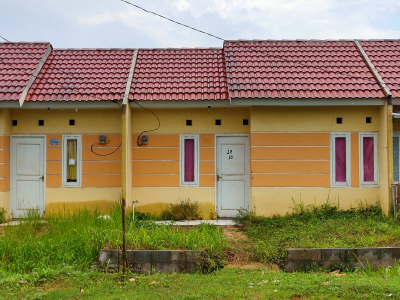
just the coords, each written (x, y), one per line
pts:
(319, 227)
(74, 240)
(65, 283)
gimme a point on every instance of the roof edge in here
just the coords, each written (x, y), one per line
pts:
(35, 74)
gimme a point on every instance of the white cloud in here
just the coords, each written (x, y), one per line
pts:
(256, 19)
(95, 20)
(182, 5)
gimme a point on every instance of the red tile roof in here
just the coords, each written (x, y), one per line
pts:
(18, 61)
(82, 75)
(385, 55)
(179, 74)
(298, 69)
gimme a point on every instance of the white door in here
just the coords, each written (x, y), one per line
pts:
(27, 175)
(233, 175)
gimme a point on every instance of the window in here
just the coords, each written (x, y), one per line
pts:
(189, 160)
(340, 159)
(368, 144)
(72, 160)
(396, 156)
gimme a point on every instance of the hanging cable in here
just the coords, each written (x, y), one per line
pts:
(91, 149)
(255, 50)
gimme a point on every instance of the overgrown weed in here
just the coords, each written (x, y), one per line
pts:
(320, 226)
(182, 210)
(2, 215)
(74, 239)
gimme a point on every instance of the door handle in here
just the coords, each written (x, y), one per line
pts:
(218, 177)
(42, 177)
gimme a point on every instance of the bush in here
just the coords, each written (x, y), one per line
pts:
(2, 215)
(182, 210)
(323, 226)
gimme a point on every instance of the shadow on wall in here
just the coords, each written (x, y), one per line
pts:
(104, 207)
(207, 209)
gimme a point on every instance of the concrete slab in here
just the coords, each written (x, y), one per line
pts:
(198, 222)
(17, 222)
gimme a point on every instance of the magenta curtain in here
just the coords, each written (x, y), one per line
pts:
(189, 160)
(340, 159)
(368, 155)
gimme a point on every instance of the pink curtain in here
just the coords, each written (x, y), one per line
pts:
(189, 160)
(368, 155)
(340, 159)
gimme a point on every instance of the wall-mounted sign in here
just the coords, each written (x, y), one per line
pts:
(54, 142)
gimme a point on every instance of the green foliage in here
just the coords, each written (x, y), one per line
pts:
(229, 283)
(2, 215)
(139, 216)
(74, 240)
(324, 226)
(182, 210)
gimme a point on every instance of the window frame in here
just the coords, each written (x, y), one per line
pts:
(347, 183)
(363, 183)
(78, 139)
(183, 137)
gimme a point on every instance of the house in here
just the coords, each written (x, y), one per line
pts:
(254, 124)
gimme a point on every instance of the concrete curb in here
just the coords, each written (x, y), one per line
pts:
(150, 261)
(376, 257)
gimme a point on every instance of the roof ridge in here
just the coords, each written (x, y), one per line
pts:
(94, 49)
(176, 49)
(25, 43)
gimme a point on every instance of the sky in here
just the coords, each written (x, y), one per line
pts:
(115, 24)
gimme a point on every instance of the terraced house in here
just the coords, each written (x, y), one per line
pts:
(254, 125)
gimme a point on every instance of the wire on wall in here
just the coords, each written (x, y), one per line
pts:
(91, 149)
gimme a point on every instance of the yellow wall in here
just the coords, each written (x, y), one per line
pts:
(5, 121)
(203, 121)
(290, 147)
(103, 199)
(100, 121)
(5, 202)
(154, 200)
(313, 119)
(157, 163)
(5, 160)
(290, 155)
(97, 171)
(101, 175)
(272, 200)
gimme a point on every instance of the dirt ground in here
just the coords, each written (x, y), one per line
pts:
(240, 253)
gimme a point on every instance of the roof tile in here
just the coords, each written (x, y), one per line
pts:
(18, 61)
(323, 69)
(179, 74)
(385, 56)
(82, 75)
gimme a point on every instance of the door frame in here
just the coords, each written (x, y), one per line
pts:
(247, 164)
(12, 169)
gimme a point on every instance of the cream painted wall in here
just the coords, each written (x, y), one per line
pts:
(174, 120)
(5, 121)
(154, 200)
(57, 121)
(270, 201)
(103, 199)
(313, 119)
(5, 202)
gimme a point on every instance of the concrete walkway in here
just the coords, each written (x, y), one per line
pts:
(217, 222)
(16, 223)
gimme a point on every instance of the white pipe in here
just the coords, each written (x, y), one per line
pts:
(133, 210)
